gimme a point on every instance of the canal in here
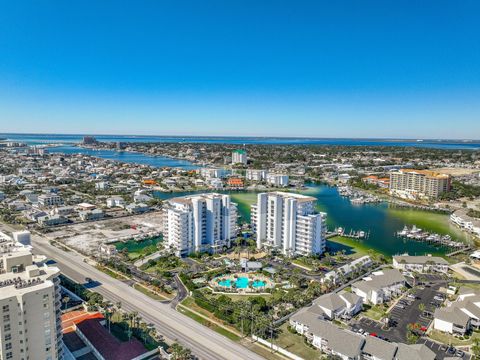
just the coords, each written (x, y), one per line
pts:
(381, 220)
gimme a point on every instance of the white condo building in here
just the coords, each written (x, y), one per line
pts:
(239, 157)
(199, 223)
(30, 325)
(288, 222)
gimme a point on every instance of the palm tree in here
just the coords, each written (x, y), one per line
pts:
(65, 301)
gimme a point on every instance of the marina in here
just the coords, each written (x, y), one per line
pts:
(357, 197)
(415, 233)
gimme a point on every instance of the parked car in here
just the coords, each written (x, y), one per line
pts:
(459, 353)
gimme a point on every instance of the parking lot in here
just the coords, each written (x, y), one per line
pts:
(443, 351)
(405, 312)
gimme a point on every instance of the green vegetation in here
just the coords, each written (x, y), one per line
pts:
(453, 340)
(165, 263)
(460, 190)
(138, 249)
(124, 326)
(473, 213)
(295, 343)
(149, 293)
(209, 324)
(375, 312)
(352, 247)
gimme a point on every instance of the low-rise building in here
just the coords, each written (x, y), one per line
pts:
(91, 215)
(278, 180)
(256, 175)
(461, 315)
(235, 183)
(137, 208)
(420, 264)
(52, 220)
(116, 201)
(333, 340)
(380, 287)
(347, 269)
(341, 305)
(50, 200)
(467, 223)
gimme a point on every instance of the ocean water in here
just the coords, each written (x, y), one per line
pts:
(37, 139)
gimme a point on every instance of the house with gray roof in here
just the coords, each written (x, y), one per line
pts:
(333, 340)
(460, 316)
(377, 349)
(414, 352)
(380, 286)
(341, 305)
(420, 264)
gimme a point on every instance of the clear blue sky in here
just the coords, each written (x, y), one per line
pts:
(282, 68)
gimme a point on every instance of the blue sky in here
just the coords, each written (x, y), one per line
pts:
(280, 68)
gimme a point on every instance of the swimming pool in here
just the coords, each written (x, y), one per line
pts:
(241, 283)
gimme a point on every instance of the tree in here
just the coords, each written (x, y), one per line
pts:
(65, 301)
(179, 352)
(475, 348)
(421, 307)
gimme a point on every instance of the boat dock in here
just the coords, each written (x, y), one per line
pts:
(418, 234)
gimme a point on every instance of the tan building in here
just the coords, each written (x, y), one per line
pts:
(30, 326)
(410, 183)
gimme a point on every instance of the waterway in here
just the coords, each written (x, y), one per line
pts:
(126, 156)
(37, 139)
(382, 221)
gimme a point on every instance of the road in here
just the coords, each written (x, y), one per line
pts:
(204, 342)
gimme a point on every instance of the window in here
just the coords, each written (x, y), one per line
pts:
(9, 355)
(6, 327)
(6, 308)
(6, 318)
(8, 346)
(8, 337)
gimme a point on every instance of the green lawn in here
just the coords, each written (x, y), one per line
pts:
(209, 324)
(295, 344)
(374, 313)
(149, 293)
(353, 248)
(450, 339)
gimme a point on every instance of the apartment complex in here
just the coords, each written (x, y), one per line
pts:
(30, 326)
(413, 184)
(199, 223)
(461, 315)
(420, 264)
(239, 157)
(380, 286)
(289, 223)
(50, 200)
(341, 343)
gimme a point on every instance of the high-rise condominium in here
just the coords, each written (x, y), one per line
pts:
(30, 325)
(199, 223)
(289, 223)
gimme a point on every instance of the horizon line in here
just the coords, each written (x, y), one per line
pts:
(249, 136)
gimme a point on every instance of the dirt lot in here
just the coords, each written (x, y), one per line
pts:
(456, 171)
(89, 236)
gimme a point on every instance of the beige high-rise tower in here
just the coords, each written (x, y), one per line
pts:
(30, 325)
